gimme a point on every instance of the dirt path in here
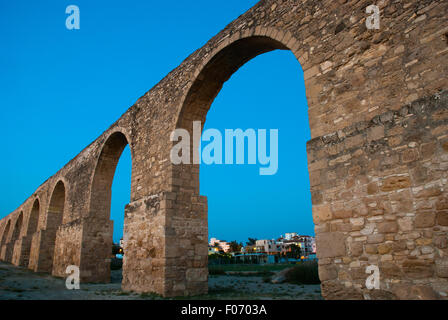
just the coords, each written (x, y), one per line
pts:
(22, 284)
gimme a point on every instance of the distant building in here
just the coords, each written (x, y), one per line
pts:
(290, 236)
(269, 246)
(249, 249)
(222, 244)
(306, 243)
(281, 246)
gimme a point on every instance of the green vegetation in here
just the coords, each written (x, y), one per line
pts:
(216, 272)
(247, 267)
(150, 296)
(304, 273)
(267, 279)
(217, 292)
(116, 264)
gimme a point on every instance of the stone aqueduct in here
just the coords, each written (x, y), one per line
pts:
(378, 158)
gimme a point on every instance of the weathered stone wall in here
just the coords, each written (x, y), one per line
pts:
(68, 248)
(379, 193)
(356, 79)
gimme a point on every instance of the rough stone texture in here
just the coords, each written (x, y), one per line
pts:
(378, 158)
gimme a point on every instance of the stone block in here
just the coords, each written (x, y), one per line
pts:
(387, 227)
(375, 133)
(442, 267)
(330, 244)
(327, 272)
(425, 220)
(442, 218)
(415, 292)
(375, 238)
(395, 183)
(418, 269)
(321, 213)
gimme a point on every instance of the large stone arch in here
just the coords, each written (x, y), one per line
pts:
(18, 225)
(102, 179)
(14, 252)
(43, 239)
(222, 62)
(5, 232)
(98, 233)
(55, 211)
(4, 240)
(213, 72)
(33, 220)
(22, 247)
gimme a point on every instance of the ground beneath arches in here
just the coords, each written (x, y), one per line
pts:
(22, 284)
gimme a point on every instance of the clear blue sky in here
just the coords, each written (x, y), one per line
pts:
(60, 89)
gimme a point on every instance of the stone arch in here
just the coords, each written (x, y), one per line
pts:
(43, 247)
(22, 249)
(101, 190)
(98, 232)
(5, 233)
(33, 220)
(13, 250)
(209, 79)
(25, 250)
(56, 207)
(17, 227)
(3, 243)
(214, 71)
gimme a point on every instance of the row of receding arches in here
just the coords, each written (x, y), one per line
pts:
(32, 243)
(21, 243)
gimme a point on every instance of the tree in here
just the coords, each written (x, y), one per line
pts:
(235, 246)
(295, 252)
(251, 241)
(116, 249)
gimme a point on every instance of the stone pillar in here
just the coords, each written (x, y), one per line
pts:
(42, 252)
(85, 243)
(186, 245)
(35, 251)
(379, 194)
(3, 252)
(21, 252)
(96, 250)
(8, 251)
(67, 247)
(165, 245)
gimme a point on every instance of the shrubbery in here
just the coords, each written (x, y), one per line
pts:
(116, 264)
(304, 273)
(216, 272)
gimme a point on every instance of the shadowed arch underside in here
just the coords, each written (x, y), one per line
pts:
(22, 249)
(15, 253)
(98, 233)
(43, 240)
(33, 224)
(4, 239)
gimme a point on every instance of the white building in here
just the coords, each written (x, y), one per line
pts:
(222, 244)
(269, 246)
(306, 243)
(290, 236)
